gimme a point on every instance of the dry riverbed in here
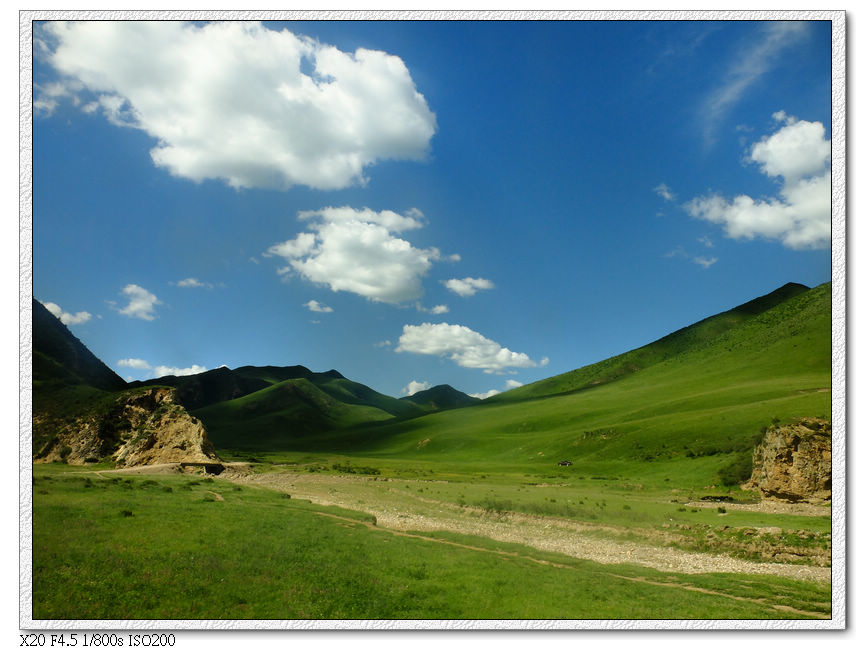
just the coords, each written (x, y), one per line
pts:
(398, 509)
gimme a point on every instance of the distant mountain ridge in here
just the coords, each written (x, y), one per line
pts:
(441, 397)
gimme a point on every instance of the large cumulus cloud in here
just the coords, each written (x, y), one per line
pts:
(241, 103)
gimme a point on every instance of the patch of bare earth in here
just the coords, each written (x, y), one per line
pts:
(399, 510)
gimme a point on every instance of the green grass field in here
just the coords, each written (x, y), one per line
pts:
(168, 547)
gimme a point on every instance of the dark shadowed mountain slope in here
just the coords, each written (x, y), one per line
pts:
(58, 356)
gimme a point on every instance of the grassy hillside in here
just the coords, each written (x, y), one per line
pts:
(273, 417)
(686, 339)
(707, 403)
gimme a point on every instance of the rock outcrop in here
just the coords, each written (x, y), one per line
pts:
(794, 463)
(144, 427)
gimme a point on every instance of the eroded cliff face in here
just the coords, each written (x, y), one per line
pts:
(794, 463)
(141, 428)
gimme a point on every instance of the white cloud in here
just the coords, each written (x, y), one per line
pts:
(241, 103)
(753, 61)
(382, 344)
(489, 393)
(468, 286)
(138, 364)
(437, 309)
(163, 371)
(800, 216)
(141, 302)
(315, 305)
(65, 317)
(194, 283)
(509, 384)
(415, 387)
(700, 260)
(664, 192)
(463, 346)
(354, 250)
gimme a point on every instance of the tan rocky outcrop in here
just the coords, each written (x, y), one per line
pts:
(794, 462)
(146, 427)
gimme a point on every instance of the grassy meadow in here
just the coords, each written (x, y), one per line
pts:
(181, 547)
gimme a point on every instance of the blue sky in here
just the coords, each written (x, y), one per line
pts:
(412, 203)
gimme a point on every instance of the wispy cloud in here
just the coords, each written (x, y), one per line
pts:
(752, 62)
(664, 192)
(699, 260)
(262, 109)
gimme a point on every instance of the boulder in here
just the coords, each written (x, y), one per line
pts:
(793, 463)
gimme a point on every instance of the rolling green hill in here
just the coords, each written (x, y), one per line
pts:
(686, 339)
(694, 410)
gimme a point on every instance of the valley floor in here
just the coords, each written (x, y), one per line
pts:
(397, 508)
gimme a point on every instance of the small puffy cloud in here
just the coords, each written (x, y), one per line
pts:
(489, 393)
(437, 309)
(800, 215)
(141, 302)
(194, 283)
(241, 103)
(163, 371)
(355, 250)
(664, 192)
(509, 384)
(468, 286)
(65, 317)
(316, 306)
(706, 241)
(415, 387)
(382, 344)
(463, 346)
(138, 364)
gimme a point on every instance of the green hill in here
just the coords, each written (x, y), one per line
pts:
(440, 398)
(271, 418)
(692, 411)
(688, 338)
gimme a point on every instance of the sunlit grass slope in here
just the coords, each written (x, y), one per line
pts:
(707, 401)
(684, 340)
